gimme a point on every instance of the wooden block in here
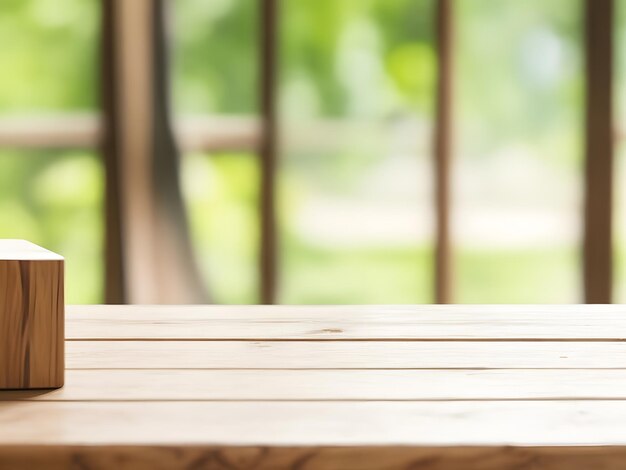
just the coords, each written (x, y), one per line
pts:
(31, 317)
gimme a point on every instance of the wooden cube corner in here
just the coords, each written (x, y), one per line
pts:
(32, 316)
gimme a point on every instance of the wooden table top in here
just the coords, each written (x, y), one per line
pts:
(420, 387)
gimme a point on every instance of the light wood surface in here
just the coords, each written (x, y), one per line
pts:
(279, 387)
(314, 423)
(432, 322)
(31, 316)
(345, 354)
(334, 385)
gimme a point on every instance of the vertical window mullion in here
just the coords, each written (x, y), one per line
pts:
(599, 143)
(268, 272)
(443, 151)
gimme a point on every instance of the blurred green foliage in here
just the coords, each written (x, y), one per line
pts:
(49, 62)
(48, 56)
(54, 199)
(519, 86)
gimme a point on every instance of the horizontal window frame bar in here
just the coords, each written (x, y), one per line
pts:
(80, 131)
(208, 133)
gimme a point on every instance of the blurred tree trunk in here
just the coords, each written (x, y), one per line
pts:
(149, 258)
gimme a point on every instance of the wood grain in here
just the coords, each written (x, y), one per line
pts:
(282, 423)
(344, 354)
(416, 322)
(406, 387)
(31, 317)
(308, 457)
(301, 385)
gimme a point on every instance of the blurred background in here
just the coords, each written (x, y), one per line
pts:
(351, 112)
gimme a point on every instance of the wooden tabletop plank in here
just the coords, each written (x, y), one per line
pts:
(330, 387)
(342, 354)
(314, 423)
(170, 457)
(459, 322)
(180, 385)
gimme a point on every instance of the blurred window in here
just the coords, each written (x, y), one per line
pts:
(357, 81)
